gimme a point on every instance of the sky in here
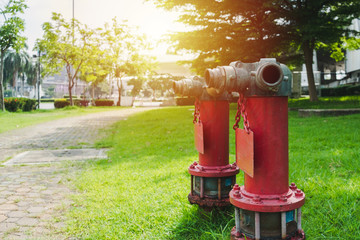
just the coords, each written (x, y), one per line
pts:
(152, 21)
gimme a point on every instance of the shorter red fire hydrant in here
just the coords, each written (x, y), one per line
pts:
(212, 177)
(266, 207)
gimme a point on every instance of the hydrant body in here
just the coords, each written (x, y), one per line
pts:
(266, 206)
(212, 177)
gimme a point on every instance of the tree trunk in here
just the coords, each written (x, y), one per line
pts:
(92, 94)
(333, 72)
(1, 81)
(71, 82)
(70, 93)
(38, 91)
(110, 85)
(308, 54)
(23, 86)
(133, 101)
(15, 83)
(120, 86)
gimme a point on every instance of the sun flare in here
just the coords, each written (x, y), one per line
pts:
(152, 21)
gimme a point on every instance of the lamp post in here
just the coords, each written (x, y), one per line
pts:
(38, 80)
(73, 20)
(38, 77)
(73, 39)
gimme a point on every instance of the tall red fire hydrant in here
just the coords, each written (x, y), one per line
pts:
(266, 207)
(212, 177)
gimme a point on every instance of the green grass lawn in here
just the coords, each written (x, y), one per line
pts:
(326, 103)
(9, 120)
(141, 191)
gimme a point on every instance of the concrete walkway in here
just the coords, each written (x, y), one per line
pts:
(33, 198)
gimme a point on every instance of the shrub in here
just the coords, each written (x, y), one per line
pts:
(347, 90)
(354, 90)
(104, 102)
(29, 104)
(19, 104)
(61, 103)
(71, 107)
(67, 96)
(81, 102)
(185, 101)
(12, 104)
(8, 93)
(47, 100)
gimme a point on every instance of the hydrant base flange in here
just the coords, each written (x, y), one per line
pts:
(210, 185)
(196, 169)
(299, 235)
(290, 200)
(208, 202)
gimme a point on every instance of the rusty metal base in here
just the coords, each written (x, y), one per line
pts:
(299, 235)
(208, 202)
(290, 200)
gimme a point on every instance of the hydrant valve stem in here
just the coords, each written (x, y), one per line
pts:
(192, 185)
(283, 225)
(257, 226)
(201, 187)
(237, 220)
(299, 218)
(219, 188)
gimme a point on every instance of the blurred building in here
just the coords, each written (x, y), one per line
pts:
(328, 73)
(352, 60)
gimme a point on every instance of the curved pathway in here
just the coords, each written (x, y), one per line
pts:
(33, 198)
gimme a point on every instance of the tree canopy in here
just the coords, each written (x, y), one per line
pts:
(16, 64)
(126, 51)
(247, 30)
(93, 55)
(11, 29)
(65, 43)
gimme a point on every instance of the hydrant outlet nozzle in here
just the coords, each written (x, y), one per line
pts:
(188, 87)
(264, 78)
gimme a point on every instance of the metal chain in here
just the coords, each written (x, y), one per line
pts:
(241, 112)
(238, 113)
(244, 115)
(196, 111)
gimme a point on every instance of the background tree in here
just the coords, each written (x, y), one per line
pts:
(155, 83)
(137, 84)
(50, 91)
(124, 46)
(228, 30)
(10, 35)
(66, 44)
(15, 65)
(318, 24)
(98, 65)
(141, 67)
(162, 83)
(167, 83)
(31, 73)
(224, 31)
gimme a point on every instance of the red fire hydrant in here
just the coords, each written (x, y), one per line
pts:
(212, 177)
(266, 207)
